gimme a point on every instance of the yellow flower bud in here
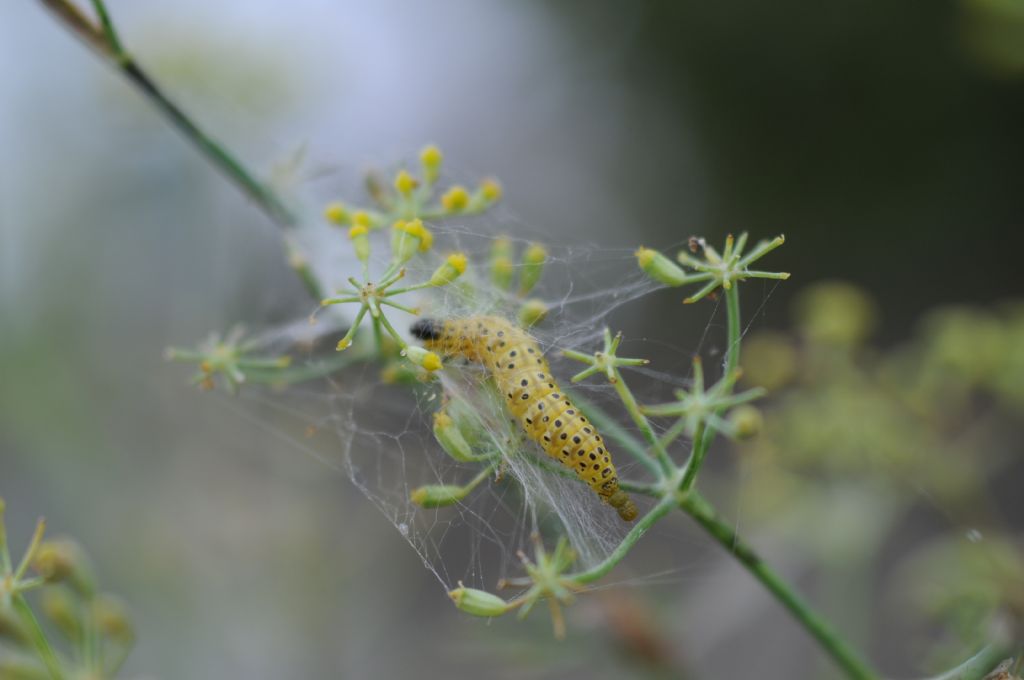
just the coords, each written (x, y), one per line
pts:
(532, 312)
(405, 183)
(423, 357)
(358, 234)
(659, 267)
(431, 159)
(533, 266)
(437, 495)
(364, 218)
(406, 239)
(455, 199)
(490, 190)
(336, 212)
(426, 237)
(478, 602)
(453, 268)
(450, 437)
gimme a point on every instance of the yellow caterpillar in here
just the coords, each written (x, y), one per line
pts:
(522, 374)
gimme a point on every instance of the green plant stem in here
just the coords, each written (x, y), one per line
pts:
(664, 506)
(35, 631)
(702, 441)
(696, 459)
(979, 665)
(481, 476)
(5, 553)
(108, 27)
(732, 309)
(726, 535)
(629, 401)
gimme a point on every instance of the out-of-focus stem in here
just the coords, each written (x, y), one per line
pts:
(702, 440)
(629, 401)
(829, 640)
(664, 506)
(103, 38)
(35, 632)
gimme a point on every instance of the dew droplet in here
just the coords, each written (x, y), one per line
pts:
(973, 535)
(403, 529)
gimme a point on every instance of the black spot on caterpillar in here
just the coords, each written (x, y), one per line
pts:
(532, 396)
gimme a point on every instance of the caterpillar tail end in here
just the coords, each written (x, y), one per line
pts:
(622, 503)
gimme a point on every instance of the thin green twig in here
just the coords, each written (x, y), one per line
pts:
(663, 507)
(633, 408)
(109, 32)
(702, 440)
(979, 665)
(35, 631)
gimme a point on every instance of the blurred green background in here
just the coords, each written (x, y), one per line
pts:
(884, 140)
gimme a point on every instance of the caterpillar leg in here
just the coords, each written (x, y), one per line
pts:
(621, 501)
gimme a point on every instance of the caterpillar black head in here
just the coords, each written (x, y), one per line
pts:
(426, 329)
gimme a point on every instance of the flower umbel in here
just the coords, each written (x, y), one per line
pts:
(546, 580)
(232, 357)
(604, 361)
(714, 270)
(699, 407)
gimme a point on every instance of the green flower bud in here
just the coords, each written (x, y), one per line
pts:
(502, 267)
(532, 312)
(478, 602)
(437, 495)
(422, 357)
(659, 267)
(360, 241)
(408, 237)
(452, 269)
(63, 560)
(60, 608)
(112, 619)
(747, 421)
(502, 271)
(449, 436)
(533, 266)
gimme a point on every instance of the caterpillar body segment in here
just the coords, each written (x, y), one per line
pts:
(521, 373)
